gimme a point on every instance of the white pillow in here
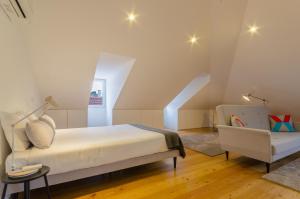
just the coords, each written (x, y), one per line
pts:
(48, 120)
(32, 117)
(40, 134)
(21, 141)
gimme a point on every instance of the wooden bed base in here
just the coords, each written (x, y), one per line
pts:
(94, 171)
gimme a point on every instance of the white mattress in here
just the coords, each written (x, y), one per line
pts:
(79, 148)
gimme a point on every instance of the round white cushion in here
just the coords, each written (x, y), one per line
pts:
(40, 134)
(48, 120)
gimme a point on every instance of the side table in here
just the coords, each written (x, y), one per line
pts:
(26, 180)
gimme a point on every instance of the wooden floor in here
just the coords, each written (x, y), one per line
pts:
(197, 176)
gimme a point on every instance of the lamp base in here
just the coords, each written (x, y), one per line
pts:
(21, 174)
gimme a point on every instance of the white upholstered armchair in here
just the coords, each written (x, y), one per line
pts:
(255, 140)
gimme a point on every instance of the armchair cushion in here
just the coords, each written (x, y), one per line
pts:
(282, 142)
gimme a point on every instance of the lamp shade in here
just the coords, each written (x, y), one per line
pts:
(247, 98)
(49, 100)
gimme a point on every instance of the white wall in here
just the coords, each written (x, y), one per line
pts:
(69, 118)
(189, 119)
(269, 63)
(153, 118)
(170, 118)
(115, 85)
(97, 116)
(17, 85)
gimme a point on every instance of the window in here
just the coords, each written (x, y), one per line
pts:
(97, 95)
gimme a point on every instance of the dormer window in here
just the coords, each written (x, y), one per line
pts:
(97, 95)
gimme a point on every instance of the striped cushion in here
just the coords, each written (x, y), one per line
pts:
(282, 123)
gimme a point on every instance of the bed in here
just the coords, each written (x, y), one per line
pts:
(83, 152)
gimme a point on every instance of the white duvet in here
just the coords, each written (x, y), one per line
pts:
(79, 148)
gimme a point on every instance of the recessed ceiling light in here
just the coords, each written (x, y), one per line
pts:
(132, 17)
(193, 40)
(253, 29)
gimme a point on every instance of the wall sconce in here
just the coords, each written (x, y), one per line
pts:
(249, 96)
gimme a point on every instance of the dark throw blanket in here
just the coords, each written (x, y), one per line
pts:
(172, 139)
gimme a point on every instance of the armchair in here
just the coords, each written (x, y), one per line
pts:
(255, 140)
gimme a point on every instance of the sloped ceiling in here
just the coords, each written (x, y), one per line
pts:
(66, 38)
(269, 63)
(225, 27)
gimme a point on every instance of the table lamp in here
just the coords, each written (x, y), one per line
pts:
(31, 169)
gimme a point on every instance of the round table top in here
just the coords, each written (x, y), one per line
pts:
(42, 172)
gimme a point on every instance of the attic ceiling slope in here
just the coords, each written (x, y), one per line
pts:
(168, 63)
(65, 39)
(65, 47)
(225, 27)
(268, 63)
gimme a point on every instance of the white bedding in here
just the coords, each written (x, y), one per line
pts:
(79, 148)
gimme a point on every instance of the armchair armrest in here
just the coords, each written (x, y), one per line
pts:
(244, 129)
(254, 143)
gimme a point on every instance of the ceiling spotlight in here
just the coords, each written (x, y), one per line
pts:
(253, 29)
(193, 40)
(132, 17)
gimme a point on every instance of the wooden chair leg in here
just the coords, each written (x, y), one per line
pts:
(175, 162)
(268, 165)
(4, 191)
(227, 155)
